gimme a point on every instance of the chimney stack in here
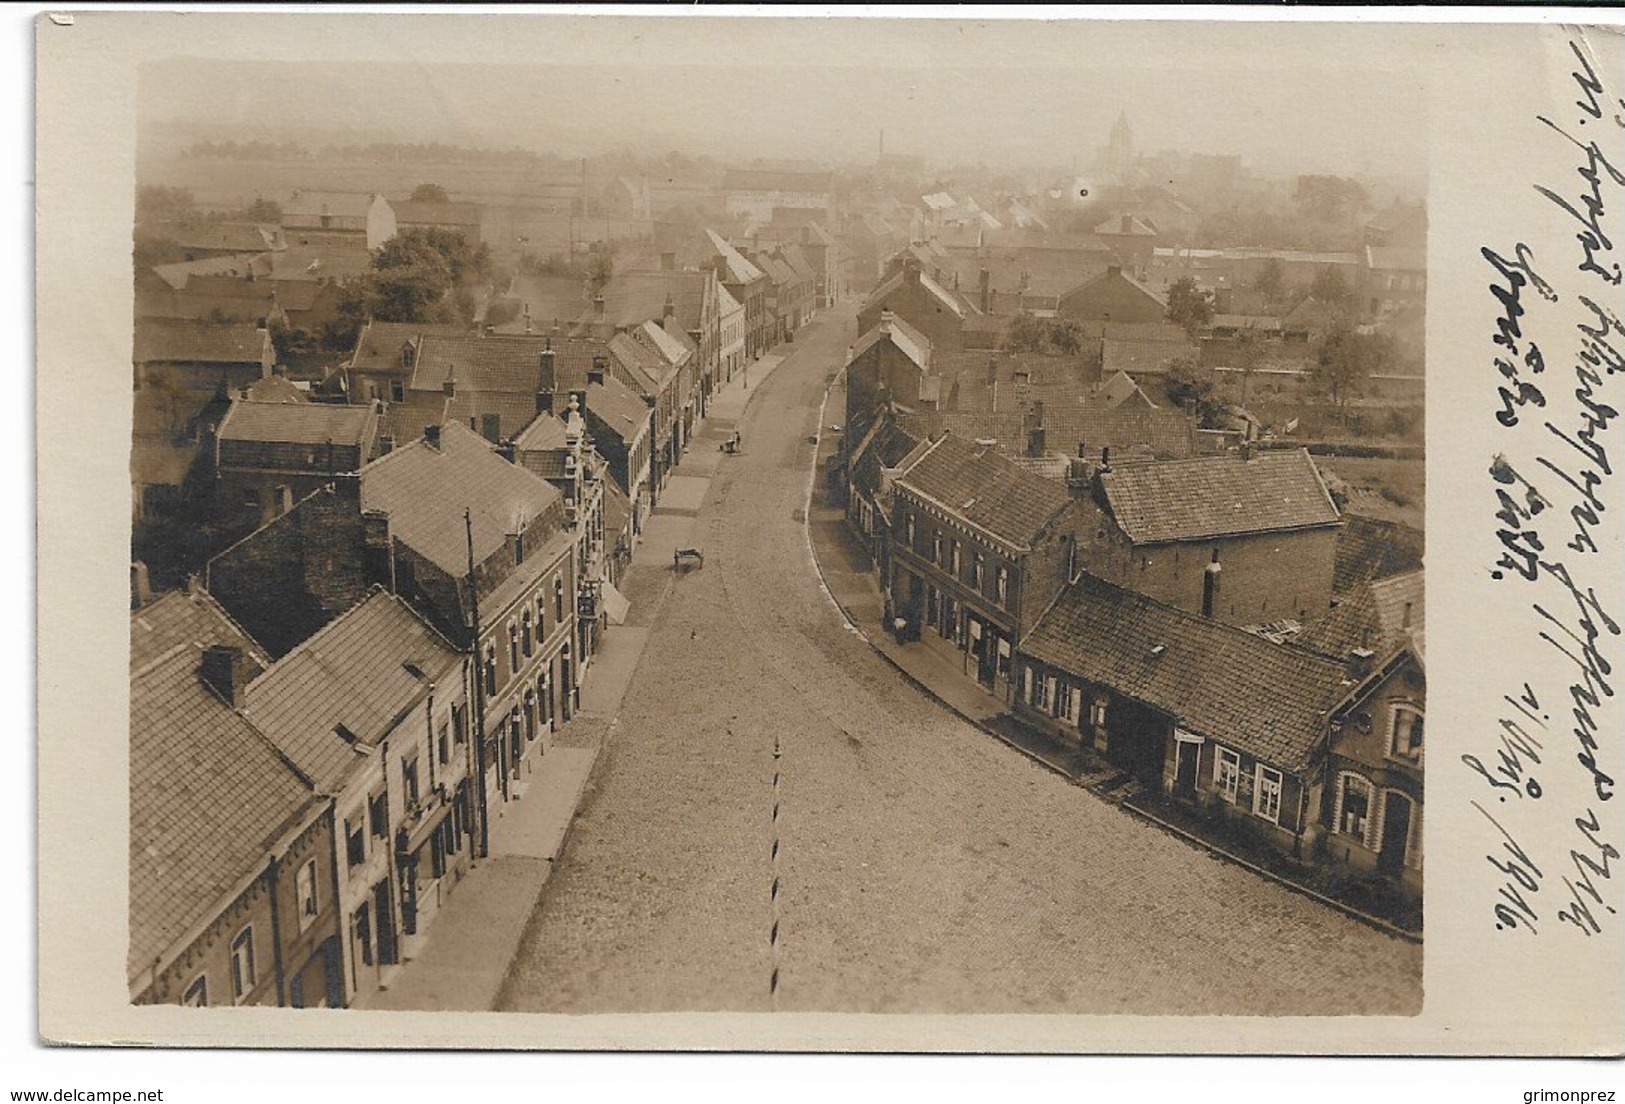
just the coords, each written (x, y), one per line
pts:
(1114, 270)
(225, 670)
(508, 450)
(450, 386)
(598, 306)
(141, 587)
(547, 362)
(544, 402)
(596, 373)
(669, 311)
(431, 436)
(1359, 663)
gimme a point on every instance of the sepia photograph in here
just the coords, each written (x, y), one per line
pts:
(841, 516)
(908, 549)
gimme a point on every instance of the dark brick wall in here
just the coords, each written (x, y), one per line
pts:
(286, 580)
(917, 306)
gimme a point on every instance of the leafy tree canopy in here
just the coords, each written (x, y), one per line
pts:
(430, 193)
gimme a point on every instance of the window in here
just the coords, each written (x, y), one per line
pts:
(445, 743)
(363, 933)
(526, 637)
(490, 668)
(911, 531)
(459, 723)
(558, 598)
(378, 813)
(242, 964)
(1353, 814)
(513, 647)
(309, 903)
(1034, 684)
(355, 842)
(1048, 702)
(1097, 713)
(1407, 741)
(541, 618)
(397, 390)
(976, 570)
(197, 993)
(936, 547)
(1001, 585)
(409, 781)
(1267, 794)
(1227, 773)
(1067, 704)
(955, 565)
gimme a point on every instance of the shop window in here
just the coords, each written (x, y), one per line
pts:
(1353, 814)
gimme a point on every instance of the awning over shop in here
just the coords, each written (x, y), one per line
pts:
(615, 604)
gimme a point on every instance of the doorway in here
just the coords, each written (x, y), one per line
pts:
(1396, 833)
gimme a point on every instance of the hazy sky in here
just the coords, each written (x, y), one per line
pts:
(1287, 97)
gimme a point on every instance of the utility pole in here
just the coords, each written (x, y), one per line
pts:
(478, 725)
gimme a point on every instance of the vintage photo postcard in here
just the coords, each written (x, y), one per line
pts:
(833, 533)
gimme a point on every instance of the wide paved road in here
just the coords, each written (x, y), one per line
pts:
(922, 866)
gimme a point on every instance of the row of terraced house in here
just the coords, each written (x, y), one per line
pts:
(332, 713)
(1209, 623)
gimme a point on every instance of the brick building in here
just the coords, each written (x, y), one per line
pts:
(1245, 540)
(1112, 297)
(919, 300)
(1207, 713)
(373, 709)
(979, 547)
(232, 882)
(268, 455)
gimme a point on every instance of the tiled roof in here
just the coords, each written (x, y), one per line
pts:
(726, 303)
(986, 489)
(340, 204)
(321, 259)
(1380, 615)
(1127, 432)
(618, 407)
(1135, 355)
(352, 673)
(885, 447)
(496, 362)
(654, 336)
(296, 423)
(740, 271)
(1109, 278)
(425, 491)
(209, 796)
(642, 363)
(1269, 700)
(911, 342)
(179, 274)
(1126, 225)
(187, 341)
(1214, 496)
(1368, 548)
(378, 349)
(1119, 389)
(877, 298)
(276, 389)
(547, 431)
(236, 237)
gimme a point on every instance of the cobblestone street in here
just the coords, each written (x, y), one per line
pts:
(921, 865)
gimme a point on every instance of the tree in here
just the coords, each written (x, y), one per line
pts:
(429, 193)
(1345, 360)
(1249, 352)
(1191, 387)
(1031, 334)
(1188, 305)
(415, 274)
(1330, 198)
(1329, 287)
(1271, 279)
(600, 267)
